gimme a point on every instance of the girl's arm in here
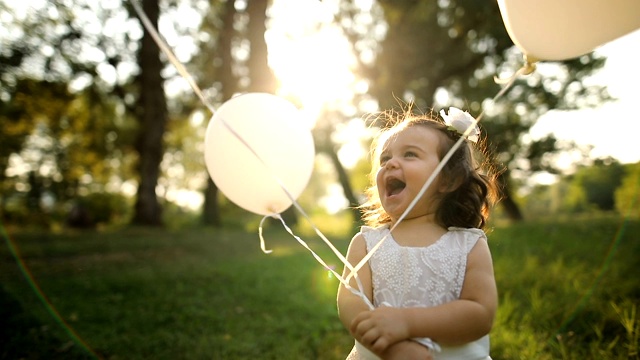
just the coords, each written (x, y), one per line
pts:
(450, 324)
(407, 349)
(349, 304)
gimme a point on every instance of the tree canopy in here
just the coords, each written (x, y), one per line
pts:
(79, 117)
(446, 53)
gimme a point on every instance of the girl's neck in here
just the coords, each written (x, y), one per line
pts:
(417, 231)
(428, 219)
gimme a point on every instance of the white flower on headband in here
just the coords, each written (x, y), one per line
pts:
(460, 121)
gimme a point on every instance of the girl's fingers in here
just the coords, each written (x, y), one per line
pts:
(370, 337)
(359, 323)
(380, 345)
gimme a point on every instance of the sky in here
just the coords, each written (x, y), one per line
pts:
(614, 127)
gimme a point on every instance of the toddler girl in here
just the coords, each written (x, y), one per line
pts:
(431, 281)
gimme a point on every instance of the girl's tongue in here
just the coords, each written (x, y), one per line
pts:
(394, 187)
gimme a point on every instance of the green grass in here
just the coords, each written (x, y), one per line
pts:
(568, 290)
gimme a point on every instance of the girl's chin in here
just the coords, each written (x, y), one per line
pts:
(395, 212)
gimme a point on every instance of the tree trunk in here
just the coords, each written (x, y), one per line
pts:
(224, 72)
(343, 178)
(153, 119)
(511, 209)
(260, 74)
(211, 212)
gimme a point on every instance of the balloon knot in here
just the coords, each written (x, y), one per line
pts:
(529, 65)
(527, 68)
(274, 214)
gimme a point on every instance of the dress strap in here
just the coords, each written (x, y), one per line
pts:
(468, 236)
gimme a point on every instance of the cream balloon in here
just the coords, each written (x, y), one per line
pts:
(565, 29)
(255, 145)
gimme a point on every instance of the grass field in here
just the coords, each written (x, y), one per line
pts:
(568, 290)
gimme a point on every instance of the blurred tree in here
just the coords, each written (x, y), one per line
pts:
(604, 185)
(60, 120)
(239, 54)
(599, 182)
(441, 53)
(538, 201)
(89, 51)
(574, 198)
(152, 114)
(261, 77)
(627, 196)
(28, 103)
(322, 134)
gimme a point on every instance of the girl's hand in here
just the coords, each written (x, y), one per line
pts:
(407, 349)
(380, 328)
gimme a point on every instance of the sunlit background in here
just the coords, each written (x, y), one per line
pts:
(313, 61)
(185, 290)
(315, 64)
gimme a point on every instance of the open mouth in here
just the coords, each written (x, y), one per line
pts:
(394, 186)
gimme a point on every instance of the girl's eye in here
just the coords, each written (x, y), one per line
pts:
(383, 159)
(410, 154)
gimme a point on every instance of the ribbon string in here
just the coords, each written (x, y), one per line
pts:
(526, 69)
(291, 197)
(359, 292)
(172, 58)
(185, 74)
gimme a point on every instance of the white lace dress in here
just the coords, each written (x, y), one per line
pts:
(422, 277)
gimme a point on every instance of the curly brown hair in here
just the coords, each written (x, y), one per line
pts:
(473, 187)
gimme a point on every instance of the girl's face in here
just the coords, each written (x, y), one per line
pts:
(407, 160)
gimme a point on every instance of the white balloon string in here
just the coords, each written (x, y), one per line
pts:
(185, 74)
(262, 242)
(347, 264)
(172, 58)
(359, 292)
(352, 272)
(321, 235)
(291, 197)
(525, 70)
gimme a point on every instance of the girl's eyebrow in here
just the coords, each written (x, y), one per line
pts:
(412, 147)
(386, 150)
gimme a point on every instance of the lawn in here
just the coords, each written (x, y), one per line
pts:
(568, 290)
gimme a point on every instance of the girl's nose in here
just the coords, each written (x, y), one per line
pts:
(392, 163)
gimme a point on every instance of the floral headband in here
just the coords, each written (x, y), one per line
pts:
(460, 121)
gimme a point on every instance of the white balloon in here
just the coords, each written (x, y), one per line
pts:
(284, 152)
(565, 29)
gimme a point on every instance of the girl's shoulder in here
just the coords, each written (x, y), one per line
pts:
(466, 237)
(373, 235)
(470, 231)
(368, 230)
